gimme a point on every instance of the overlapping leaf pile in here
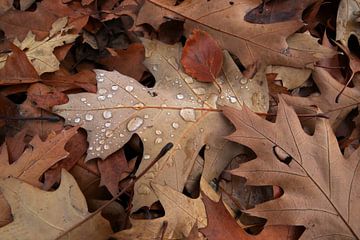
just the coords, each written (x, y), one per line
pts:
(159, 119)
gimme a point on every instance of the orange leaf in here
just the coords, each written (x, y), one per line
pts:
(202, 57)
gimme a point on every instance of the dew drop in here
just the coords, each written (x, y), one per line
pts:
(109, 96)
(77, 120)
(109, 133)
(232, 99)
(101, 98)
(158, 132)
(100, 79)
(107, 114)
(129, 88)
(89, 117)
(155, 67)
(146, 116)
(158, 140)
(175, 125)
(108, 124)
(243, 80)
(146, 156)
(102, 91)
(103, 130)
(180, 96)
(134, 124)
(188, 114)
(98, 148)
(121, 135)
(189, 80)
(106, 147)
(101, 74)
(102, 141)
(83, 99)
(114, 87)
(199, 91)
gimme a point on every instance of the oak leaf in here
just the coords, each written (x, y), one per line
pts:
(302, 165)
(254, 44)
(47, 214)
(177, 109)
(347, 21)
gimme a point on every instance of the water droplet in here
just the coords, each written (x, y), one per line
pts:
(129, 88)
(90, 148)
(243, 80)
(173, 62)
(146, 156)
(107, 114)
(121, 135)
(114, 87)
(158, 140)
(103, 130)
(100, 79)
(102, 91)
(180, 96)
(143, 189)
(146, 116)
(175, 125)
(109, 95)
(101, 98)
(108, 124)
(155, 67)
(77, 120)
(138, 105)
(106, 147)
(102, 141)
(134, 124)
(109, 133)
(89, 117)
(189, 80)
(98, 148)
(232, 99)
(201, 130)
(199, 91)
(172, 135)
(101, 74)
(83, 99)
(158, 132)
(188, 114)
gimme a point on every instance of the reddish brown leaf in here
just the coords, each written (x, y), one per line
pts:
(76, 147)
(202, 57)
(64, 81)
(45, 97)
(17, 69)
(222, 226)
(128, 62)
(7, 109)
(16, 145)
(112, 169)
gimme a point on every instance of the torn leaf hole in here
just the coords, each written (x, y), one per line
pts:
(283, 156)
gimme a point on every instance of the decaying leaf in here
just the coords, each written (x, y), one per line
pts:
(321, 189)
(202, 57)
(40, 53)
(181, 213)
(347, 21)
(36, 159)
(47, 214)
(290, 77)
(178, 109)
(253, 43)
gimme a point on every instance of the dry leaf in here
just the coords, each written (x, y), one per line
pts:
(181, 213)
(47, 214)
(202, 57)
(290, 77)
(178, 110)
(37, 158)
(347, 21)
(252, 43)
(5, 5)
(44, 96)
(321, 189)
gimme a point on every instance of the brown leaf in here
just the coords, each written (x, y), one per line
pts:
(222, 226)
(112, 169)
(16, 145)
(302, 165)
(37, 158)
(44, 96)
(128, 62)
(17, 69)
(8, 109)
(202, 57)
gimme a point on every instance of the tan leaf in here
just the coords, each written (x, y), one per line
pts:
(40, 53)
(36, 159)
(290, 77)
(181, 213)
(178, 110)
(317, 170)
(347, 21)
(47, 214)
(224, 20)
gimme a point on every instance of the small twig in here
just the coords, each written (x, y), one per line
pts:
(131, 183)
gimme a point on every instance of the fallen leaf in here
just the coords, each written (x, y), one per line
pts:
(112, 169)
(181, 213)
(290, 77)
(253, 44)
(5, 5)
(25, 4)
(178, 110)
(202, 57)
(44, 96)
(37, 158)
(222, 226)
(49, 213)
(128, 62)
(7, 110)
(16, 68)
(302, 165)
(347, 21)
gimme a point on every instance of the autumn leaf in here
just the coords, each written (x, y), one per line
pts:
(49, 213)
(178, 110)
(202, 57)
(302, 165)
